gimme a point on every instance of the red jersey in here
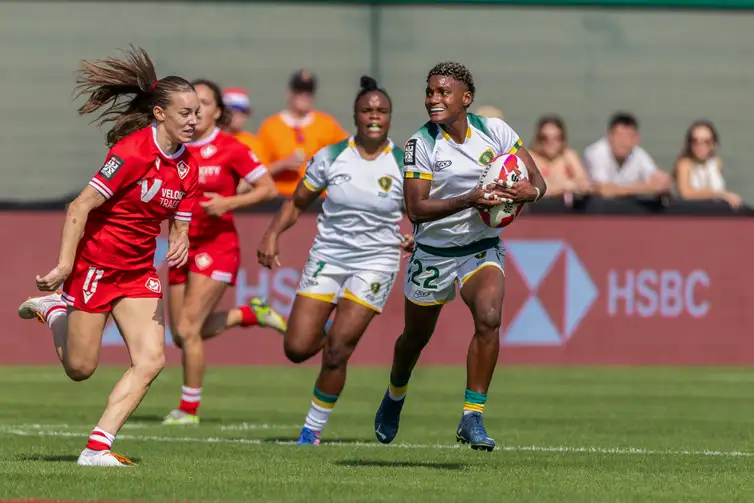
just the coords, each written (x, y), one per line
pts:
(143, 186)
(223, 161)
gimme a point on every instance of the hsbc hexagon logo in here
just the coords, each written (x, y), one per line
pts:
(534, 324)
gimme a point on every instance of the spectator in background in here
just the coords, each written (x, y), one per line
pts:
(698, 170)
(489, 111)
(618, 166)
(237, 100)
(297, 133)
(558, 163)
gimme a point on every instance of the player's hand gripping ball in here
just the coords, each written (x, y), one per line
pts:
(508, 168)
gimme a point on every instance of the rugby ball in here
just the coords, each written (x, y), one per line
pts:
(506, 167)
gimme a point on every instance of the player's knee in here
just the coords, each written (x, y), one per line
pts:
(336, 355)
(149, 364)
(80, 370)
(295, 351)
(487, 320)
(413, 340)
(188, 332)
(177, 340)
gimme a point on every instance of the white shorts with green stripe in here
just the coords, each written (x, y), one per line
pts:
(432, 273)
(331, 282)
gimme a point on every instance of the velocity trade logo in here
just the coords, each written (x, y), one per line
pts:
(535, 259)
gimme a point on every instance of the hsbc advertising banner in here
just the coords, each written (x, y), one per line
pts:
(579, 290)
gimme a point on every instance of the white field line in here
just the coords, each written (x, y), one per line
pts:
(20, 430)
(149, 426)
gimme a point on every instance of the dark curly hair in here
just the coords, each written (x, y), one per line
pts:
(457, 72)
(368, 85)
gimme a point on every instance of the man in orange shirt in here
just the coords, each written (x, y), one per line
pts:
(237, 100)
(294, 135)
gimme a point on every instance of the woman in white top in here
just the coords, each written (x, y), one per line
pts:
(698, 170)
(357, 251)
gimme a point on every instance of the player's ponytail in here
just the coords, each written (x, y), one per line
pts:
(106, 81)
(368, 85)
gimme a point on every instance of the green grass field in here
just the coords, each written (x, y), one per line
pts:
(578, 434)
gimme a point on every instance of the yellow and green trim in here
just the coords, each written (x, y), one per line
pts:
(447, 136)
(415, 175)
(323, 399)
(310, 186)
(474, 401)
(472, 273)
(349, 295)
(516, 146)
(324, 297)
(398, 390)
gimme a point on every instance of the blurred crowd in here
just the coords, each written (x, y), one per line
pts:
(615, 165)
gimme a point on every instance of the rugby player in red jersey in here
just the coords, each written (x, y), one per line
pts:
(106, 259)
(214, 255)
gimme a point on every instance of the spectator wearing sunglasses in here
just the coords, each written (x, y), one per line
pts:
(698, 170)
(558, 163)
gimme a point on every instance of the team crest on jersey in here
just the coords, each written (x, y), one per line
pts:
(385, 183)
(203, 260)
(486, 156)
(183, 169)
(153, 284)
(208, 151)
(375, 287)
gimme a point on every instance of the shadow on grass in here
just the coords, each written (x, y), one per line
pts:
(61, 458)
(366, 463)
(289, 440)
(154, 418)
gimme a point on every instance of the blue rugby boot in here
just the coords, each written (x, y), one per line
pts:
(387, 418)
(308, 437)
(471, 431)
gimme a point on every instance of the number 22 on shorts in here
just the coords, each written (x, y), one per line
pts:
(415, 271)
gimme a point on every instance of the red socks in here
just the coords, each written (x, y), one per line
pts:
(100, 440)
(248, 318)
(190, 399)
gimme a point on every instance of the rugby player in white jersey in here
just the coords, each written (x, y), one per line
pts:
(356, 254)
(443, 163)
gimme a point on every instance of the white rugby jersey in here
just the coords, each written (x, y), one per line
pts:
(430, 154)
(359, 224)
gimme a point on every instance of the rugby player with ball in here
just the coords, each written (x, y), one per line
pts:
(457, 213)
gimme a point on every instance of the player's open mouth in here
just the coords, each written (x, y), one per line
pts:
(436, 110)
(374, 127)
